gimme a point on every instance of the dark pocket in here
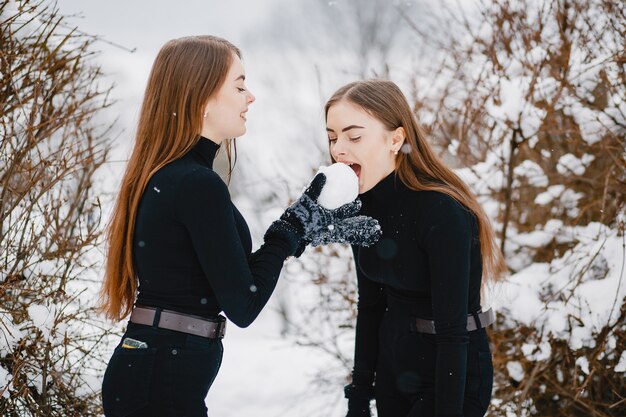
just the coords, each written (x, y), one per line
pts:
(126, 383)
(486, 378)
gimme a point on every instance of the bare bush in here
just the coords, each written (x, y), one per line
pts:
(50, 213)
(532, 104)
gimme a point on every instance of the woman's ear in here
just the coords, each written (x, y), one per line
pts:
(397, 140)
(206, 109)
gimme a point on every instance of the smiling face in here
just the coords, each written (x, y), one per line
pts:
(362, 141)
(225, 111)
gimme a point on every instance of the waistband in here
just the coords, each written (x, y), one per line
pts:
(173, 320)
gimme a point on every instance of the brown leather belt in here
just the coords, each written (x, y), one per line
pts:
(475, 321)
(172, 320)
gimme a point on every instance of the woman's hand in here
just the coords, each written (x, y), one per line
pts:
(359, 393)
(319, 226)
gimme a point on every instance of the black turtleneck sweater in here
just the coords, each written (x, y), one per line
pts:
(192, 247)
(429, 254)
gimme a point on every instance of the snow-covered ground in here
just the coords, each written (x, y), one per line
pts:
(265, 375)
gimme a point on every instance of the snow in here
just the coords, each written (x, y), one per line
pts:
(511, 100)
(43, 318)
(537, 352)
(5, 382)
(516, 371)
(534, 239)
(533, 172)
(453, 147)
(264, 374)
(10, 334)
(585, 283)
(583, 363)
(553, 191)
(341, 187)
(569, 163)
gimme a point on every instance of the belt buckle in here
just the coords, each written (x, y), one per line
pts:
(221, 329)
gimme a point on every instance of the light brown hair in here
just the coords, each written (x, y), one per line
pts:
(185, 73)
(419, 168)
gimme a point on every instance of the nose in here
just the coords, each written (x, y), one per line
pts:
(251, 98)
(337, 149)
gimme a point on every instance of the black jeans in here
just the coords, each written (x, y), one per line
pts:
(405, 376)
(170, 378)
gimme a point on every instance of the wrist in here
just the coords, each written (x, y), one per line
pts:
(285, 232)
(358, 392)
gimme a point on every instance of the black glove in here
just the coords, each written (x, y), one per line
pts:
(359, 393)
(319, 226)
(359, 230)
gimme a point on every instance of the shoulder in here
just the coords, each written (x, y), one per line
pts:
(193, 181)
(202, 181)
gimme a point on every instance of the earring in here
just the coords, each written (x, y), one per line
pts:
(395, 152)
(205, 114)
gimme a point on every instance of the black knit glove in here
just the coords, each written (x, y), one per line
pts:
(359, 394)
(359, 230)
(319, 226)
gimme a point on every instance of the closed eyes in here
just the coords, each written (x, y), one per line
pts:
(354, 139)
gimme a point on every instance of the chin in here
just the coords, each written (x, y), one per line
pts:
(238, 133)
(363, 188)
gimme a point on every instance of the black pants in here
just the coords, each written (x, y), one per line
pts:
(170, 378)
(405, 377)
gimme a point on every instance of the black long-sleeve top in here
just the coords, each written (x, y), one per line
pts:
(192, 247)
(429, 253)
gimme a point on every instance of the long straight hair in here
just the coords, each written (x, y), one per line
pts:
(418, 167)
(185, 73)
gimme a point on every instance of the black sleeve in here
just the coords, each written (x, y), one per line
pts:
(447, 241)
(242, 285)
(370, 309)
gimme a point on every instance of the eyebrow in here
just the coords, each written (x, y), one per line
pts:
(345, 129)
(241, 77)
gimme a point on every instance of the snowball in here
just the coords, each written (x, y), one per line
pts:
(341, 187)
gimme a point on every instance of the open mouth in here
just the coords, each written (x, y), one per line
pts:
(356, 168)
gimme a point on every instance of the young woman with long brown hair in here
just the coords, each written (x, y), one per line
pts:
(421, 346)
(179, 251)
